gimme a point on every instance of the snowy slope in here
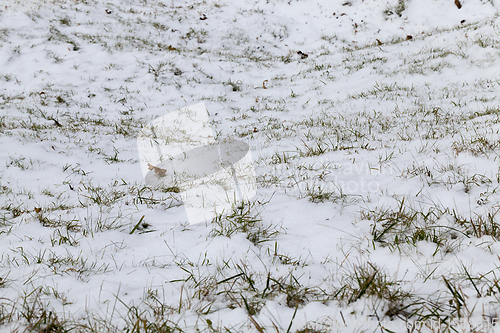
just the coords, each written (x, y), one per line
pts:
(376, 159)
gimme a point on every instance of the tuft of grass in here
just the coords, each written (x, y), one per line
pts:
(397, 9)
(405, 225)
(101, 196)
(200, 35)
(369, 281)
(242, 220)
(37, 316)
(318, 194)
(480, 225)
(477, 145)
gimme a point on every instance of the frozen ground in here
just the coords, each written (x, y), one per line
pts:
(376, 159)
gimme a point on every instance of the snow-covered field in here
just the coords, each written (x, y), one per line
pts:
(373, 127)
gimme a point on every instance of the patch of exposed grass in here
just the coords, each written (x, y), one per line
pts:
(242, 219)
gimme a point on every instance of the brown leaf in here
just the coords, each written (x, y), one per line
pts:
(158, 171)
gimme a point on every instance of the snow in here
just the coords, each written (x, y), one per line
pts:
(386, 111)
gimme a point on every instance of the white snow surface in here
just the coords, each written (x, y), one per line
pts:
(398, 102)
